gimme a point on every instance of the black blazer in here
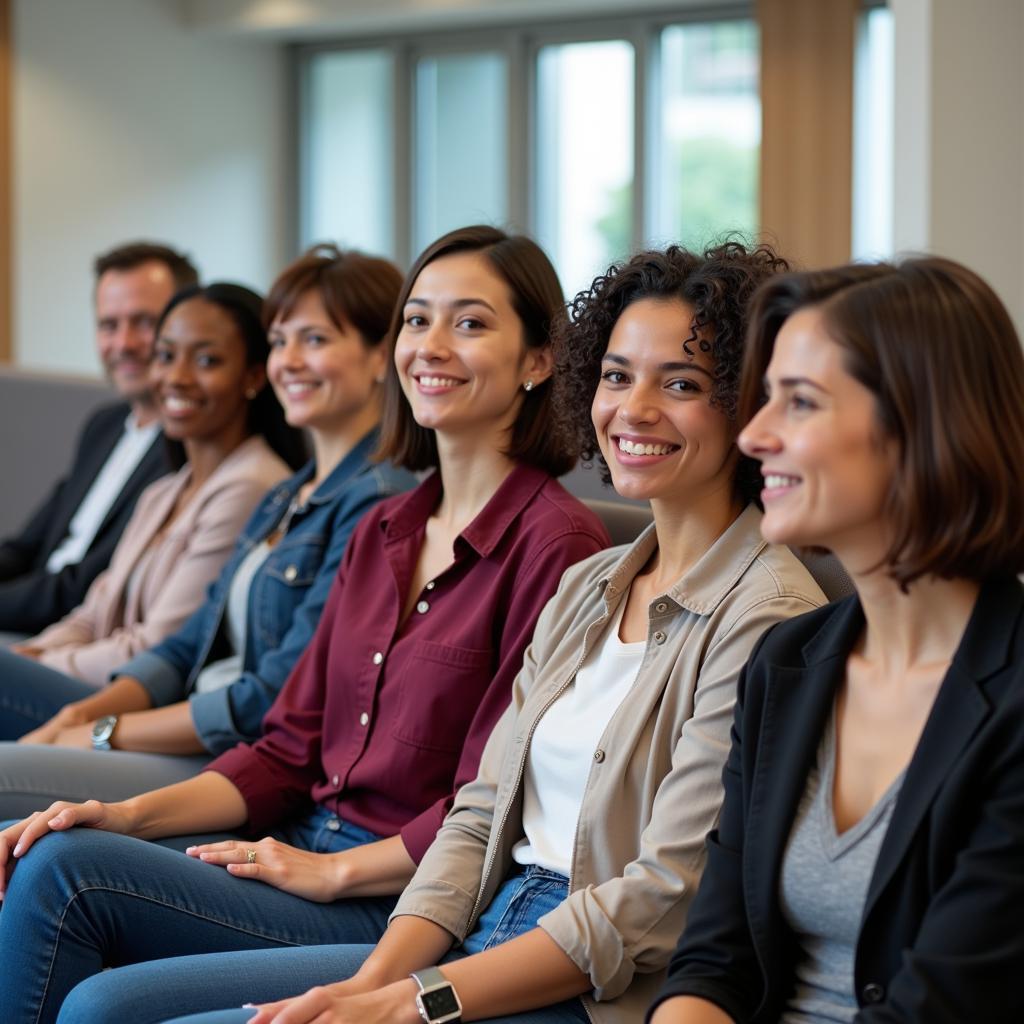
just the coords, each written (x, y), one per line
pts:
(30, 597)
(942, 935)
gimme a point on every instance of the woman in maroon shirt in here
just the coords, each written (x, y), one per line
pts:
(386, 713)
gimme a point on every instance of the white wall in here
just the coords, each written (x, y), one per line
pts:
(128, 124)
(959, 127)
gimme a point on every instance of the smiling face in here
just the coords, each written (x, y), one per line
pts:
(199, 374)
(826, 465)
(128, 305)
(657, 430)
(324, 375)
(460, 355)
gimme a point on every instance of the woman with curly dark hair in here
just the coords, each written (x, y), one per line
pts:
(555, 888)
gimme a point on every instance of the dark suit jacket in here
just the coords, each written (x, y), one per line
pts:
(30, 597)
(942, 935)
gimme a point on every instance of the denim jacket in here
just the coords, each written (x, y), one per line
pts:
(286, 598)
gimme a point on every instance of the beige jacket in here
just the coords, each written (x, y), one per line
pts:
(654, 789)
(117, 621)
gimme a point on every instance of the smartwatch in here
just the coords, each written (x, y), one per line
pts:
(437, 1000)
(102, 729)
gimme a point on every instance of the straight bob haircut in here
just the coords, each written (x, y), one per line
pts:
(356, 290)
(935, 346)
(536, 296)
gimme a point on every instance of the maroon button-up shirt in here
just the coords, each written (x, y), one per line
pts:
(382, 722)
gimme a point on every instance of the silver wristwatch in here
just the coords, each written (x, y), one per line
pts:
(437, 1000)
(102, 729)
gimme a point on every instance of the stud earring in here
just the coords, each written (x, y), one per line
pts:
(528, 386)
(251, 394)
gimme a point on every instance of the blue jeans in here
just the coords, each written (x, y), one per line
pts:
(84, 900)
(195, 985)
(31, 694)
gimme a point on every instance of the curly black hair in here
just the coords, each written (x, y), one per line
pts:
(718, 283)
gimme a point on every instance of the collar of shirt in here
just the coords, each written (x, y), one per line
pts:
(704, 586)
(485, 532)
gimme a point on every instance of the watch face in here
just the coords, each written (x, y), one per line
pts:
(440, 1002)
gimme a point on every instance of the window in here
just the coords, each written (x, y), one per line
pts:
(596, 140)
(348, 185)
(709, 133)
(460, 151)
(873, 141)
(585, 163)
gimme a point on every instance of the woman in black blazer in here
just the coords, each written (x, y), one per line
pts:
(892, 433)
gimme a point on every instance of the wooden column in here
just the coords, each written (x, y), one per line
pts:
(807, 49)
(6, 205)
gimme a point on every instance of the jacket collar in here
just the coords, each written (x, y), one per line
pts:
(961, 707)
(703, 587)
(491, 523)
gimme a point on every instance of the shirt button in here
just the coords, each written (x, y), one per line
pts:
(431, 585)
(422, 607)
(599, 755)
(290, 573)
(364, 718)
(334, 824)
(873, 992)
(335, 780)
(378, 658)
(661, 607)
(659, 637)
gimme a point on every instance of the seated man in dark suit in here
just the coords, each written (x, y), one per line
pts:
(46, 569)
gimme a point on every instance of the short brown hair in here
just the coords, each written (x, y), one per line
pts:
(356, 290)
(937, 349)
(134, 254)
(718, 283)
(537, 300)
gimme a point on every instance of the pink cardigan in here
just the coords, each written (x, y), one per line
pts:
(110, 626)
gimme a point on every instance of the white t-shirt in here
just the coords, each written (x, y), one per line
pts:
(122, 461)
(561, 752)
(236, 617)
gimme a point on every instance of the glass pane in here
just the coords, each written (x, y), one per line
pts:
(706, 154)
(461, 152)
(585, 157)
(348, 172)
(873, 140)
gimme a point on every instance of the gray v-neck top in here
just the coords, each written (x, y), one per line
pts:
(823, 888)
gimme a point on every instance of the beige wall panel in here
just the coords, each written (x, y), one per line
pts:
(807, 138)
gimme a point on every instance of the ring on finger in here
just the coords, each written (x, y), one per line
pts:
(250, 856)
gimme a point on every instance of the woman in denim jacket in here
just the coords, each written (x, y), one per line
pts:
(207, 687)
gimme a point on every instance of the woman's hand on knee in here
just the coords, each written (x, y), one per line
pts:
(312, 876)
(336, 1004)
(16, 840)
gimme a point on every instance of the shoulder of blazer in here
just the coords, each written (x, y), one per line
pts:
(813, 636)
